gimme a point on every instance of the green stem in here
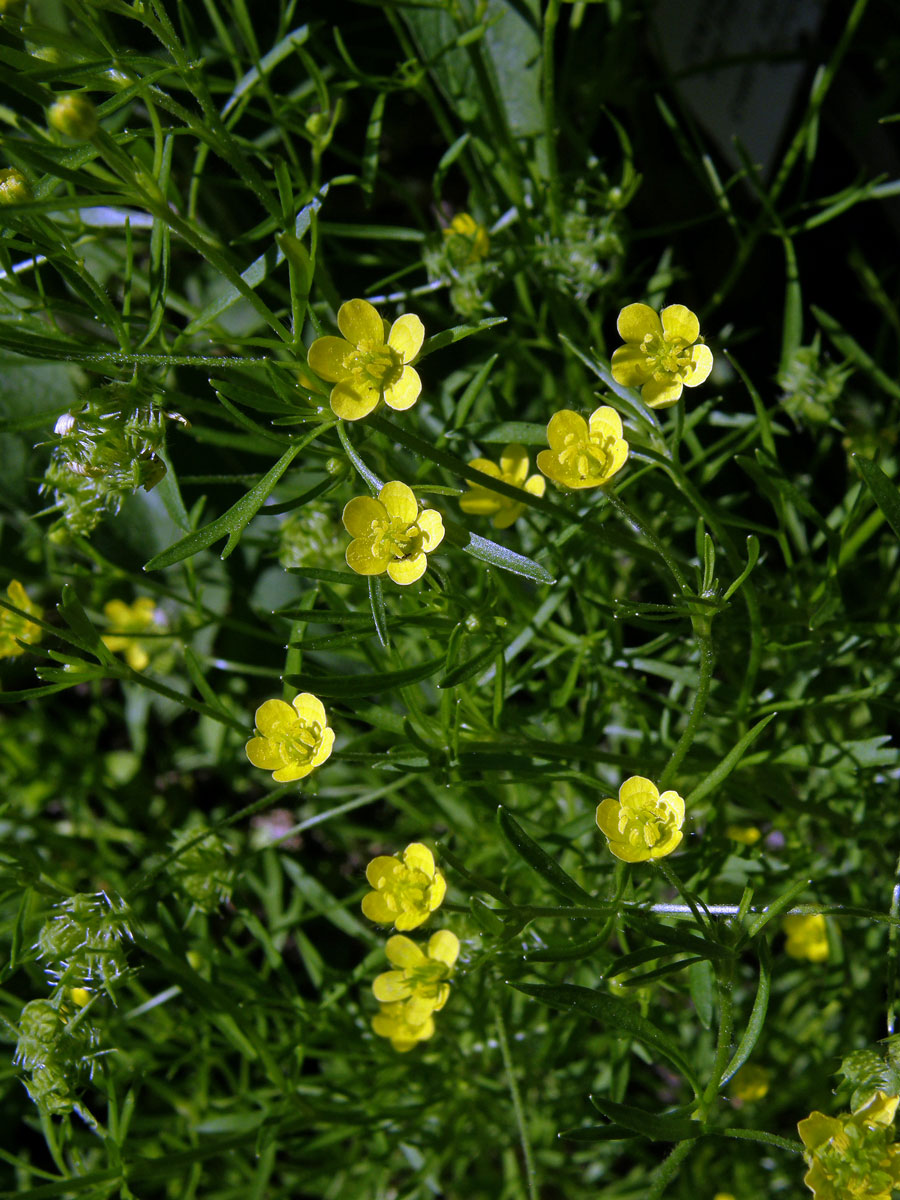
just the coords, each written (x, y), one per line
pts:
(707, 659)
(551, 16)
(672, 879)
(630, 518)
(893, 948)
(530, 1177)
(669, 1169)
(724, 983)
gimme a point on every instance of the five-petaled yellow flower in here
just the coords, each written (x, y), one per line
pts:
(661, 354)
(853, 1156)
(467, 241)
(391, 534)
(513, 469)
(806, 937)
(392, 1022)
(371, 362)
(407, 891)
(420, 982)
(14, 627)
(293, 739)
(130, 620)
(583, 453)
(641, 824)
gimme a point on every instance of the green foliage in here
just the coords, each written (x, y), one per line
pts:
(189, 194)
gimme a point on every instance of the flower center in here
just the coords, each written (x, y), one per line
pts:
(300, 742)
(647, 827)
(396, 538)
(666, 359)
(589, 459)
(375, 366)
(426, 980)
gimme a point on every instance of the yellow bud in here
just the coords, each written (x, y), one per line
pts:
(14, 187)
(75, 116)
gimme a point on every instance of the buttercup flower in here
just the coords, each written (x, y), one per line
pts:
(661, 354)
(747, 835)
(806, 937)
(390, 534)
(513, 469)
(467, 241)
(371, 362)
(13, 626)
(407, 891)
(293, 739)
(583, 453)
(420, 982)
(392, 1022)
(751, 1083)
(641, 824)
(130, 620)
(853, 1156)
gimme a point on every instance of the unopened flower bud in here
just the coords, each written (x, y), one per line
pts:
(14, 187)
(75, 116)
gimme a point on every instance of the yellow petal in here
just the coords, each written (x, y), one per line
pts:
(292, 772)
(667, 845)
(310, 708)
(354, 403)
(431, 526)
(480, 502)
(376, 907)
(514, 464)
(360, 513)
(438, 891)
(816, 1129)
(443, 946)
(405, 392)
(564, 424)
(419, 858)
(117, 611)
(406, 336)
(390, 986)
(636, 788)
(536, 485)
(323, 752)
(486, 466)
(403, 952)
(137, 657)
(607, 817)
(509, 513)
(410, 920)
(274, 717)
(656, 394)
(618, 455)
(326, 357)
(628, 853)
(385, 866)
(674, 803)
(263, 753)
(605, 422)
(701, 365)
(407, 570)
(636, 321)
(360, 558)
(549, 464)
(680, 322)
(629, 365)
(399, 501)
(418, 1009)
(361, 323)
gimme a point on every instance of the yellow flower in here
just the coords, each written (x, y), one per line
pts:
(806, 937)
(392, 1022)
(13, 627)
(293, 738)
(371, 362)
(390, 534)
(467, 241)
(853, 1156)
(583, 453)
(513, 469)
(420, 983)
(661, 354)
(751, 1083)
(641, 824)
(747, 835)
(128, 621)
(723, 1196)
(79, 996)
(406, 892)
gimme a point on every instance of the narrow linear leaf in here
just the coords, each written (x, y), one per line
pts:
(884, 490)
(649, 1125)
(785, 900)
(507, 560)
(448, 337)
(279, 51)
(379, 610)
(539, 860)
(347, 687)
(754, 1028)
(471, 666)
(729, 762)
(622, 1018)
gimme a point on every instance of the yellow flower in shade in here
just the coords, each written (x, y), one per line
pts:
(747, 835)
(371, 362)
(853, 1156)
(583, 453)
(391, 534)
(723, 1196)
(420, 981)
(513, 469)
(293, 739)
(661, 354)
(467, 241)
(14, 627)
(407, 890)
(129, 621)
(641, 824)
(750, 1084)
(392, 1022)
(806, 937)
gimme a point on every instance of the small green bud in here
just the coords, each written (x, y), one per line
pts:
(75, 116)
(14, 187)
